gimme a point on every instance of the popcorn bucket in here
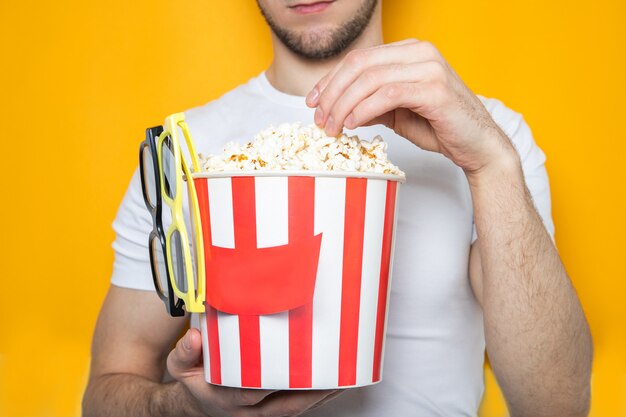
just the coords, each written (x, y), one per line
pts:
(297, 270)
(290, 271)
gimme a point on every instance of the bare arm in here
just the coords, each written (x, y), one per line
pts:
(532, 315)
(133, 336)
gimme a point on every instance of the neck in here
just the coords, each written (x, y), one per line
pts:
(292, 74)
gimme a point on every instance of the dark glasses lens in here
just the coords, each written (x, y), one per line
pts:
(178, 261)
(158, 265)
(169, 167)
(148, 176)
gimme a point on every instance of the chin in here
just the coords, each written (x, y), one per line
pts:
(322, 33)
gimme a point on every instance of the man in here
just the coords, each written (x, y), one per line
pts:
(475, 265)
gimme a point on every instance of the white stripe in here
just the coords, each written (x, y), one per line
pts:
(274, 331)
(205, 347)
(272, 227)
(230, 353)
(370, 277)
(393, 247)
(272, 211)
(221, 207)
(329, 220)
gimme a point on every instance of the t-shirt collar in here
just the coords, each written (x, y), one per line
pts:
(277, 96)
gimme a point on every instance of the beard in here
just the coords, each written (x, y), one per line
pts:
(323, 44)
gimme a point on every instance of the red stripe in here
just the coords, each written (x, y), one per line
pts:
(244, 219)
(390, 208)
(211, 314)
(250, 346)
(354, 229)
(301, 226)
(244, 212)
(300, 346)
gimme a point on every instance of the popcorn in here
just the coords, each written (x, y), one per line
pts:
(291, 147)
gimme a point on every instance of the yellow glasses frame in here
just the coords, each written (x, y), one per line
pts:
(194, 296)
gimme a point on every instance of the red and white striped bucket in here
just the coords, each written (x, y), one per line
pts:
(297, 277)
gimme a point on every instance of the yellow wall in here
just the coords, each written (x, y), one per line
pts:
(80, 80)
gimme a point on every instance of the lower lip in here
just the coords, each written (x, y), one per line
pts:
(312, 8)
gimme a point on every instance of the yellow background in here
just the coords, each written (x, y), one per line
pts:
(81, 80)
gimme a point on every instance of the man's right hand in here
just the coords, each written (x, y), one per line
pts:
(184, 363)
(128, 365)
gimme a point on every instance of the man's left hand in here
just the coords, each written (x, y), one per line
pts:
(409, 87)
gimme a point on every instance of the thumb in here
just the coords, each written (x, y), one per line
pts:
(386, 119)
(186, 358)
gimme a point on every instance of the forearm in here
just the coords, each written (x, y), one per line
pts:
(119, 395)
(537, 337)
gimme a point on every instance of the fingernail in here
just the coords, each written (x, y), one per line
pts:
(330, 126)
(312, 97)
(319, 116)
(349, 121)
(187, 341)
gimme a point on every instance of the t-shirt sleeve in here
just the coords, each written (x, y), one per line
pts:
(532, 157)
(132, 226)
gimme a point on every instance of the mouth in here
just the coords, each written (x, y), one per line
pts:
(311, 8)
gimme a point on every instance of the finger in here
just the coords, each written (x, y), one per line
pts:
(223, 398)
(402, 42)
(287, 403)
(186, 357)
(321, 85)
(370, 81)
(355, 62)
(313, 95)
(409, 125)
(386, 119)
(351, 62)
(426, 99)
(328, 398)
(241, 397)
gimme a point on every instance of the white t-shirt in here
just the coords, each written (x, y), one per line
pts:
(434, 351)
